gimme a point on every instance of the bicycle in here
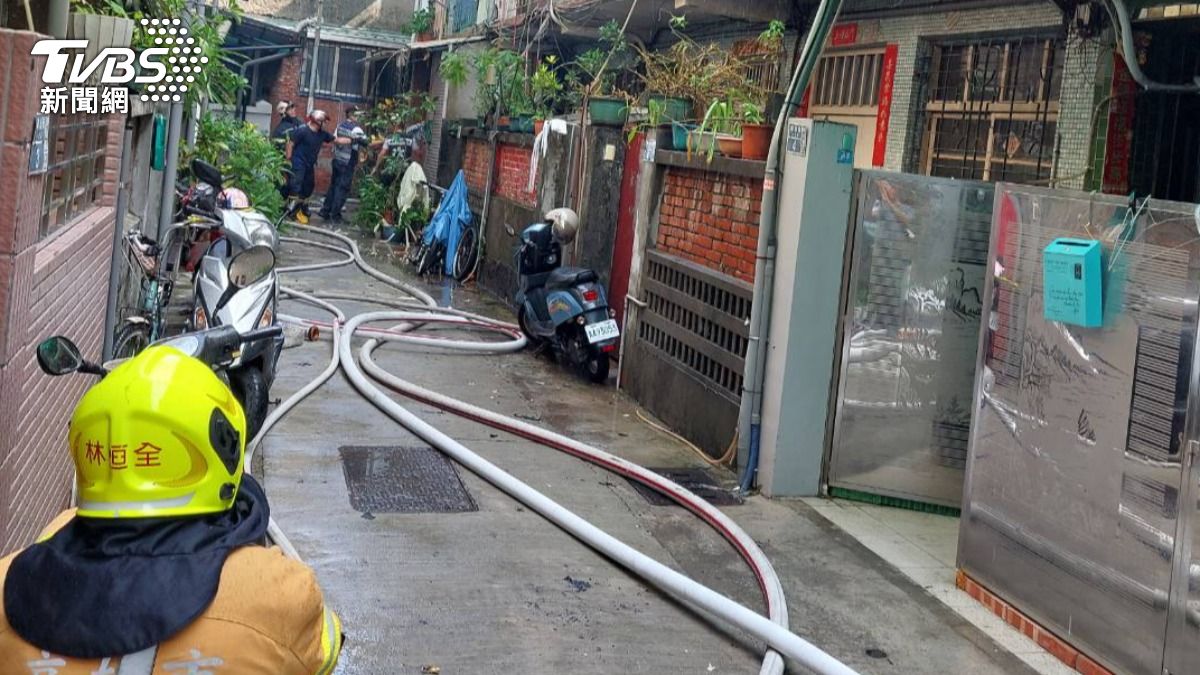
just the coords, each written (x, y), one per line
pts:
(154, 267)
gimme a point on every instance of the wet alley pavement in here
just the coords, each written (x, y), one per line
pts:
(466, 580)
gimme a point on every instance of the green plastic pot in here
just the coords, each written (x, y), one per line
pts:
(674, 109)
(608, 112)
(679, 134)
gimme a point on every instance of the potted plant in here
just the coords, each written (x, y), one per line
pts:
(546, 89)
(756, 133)
(596, 77)
(421, 24)
(721, 128)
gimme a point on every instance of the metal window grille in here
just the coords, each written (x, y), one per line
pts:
(761, 64)
(342, 71)
(1170, 11)
(462, 14)
(847, 80)
(696, 318)
(993, 109)
(75, 173)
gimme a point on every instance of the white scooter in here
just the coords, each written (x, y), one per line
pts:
(245, 304)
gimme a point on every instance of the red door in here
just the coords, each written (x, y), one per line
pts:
(626, 213)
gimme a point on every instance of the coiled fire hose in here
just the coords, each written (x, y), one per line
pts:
(422, 312)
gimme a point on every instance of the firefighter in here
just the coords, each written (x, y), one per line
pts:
(161, 568)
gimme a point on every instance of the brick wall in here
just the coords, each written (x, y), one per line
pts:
(287, 87)
(512, 175)
(475, 164)
(53, 285)
(711, 219)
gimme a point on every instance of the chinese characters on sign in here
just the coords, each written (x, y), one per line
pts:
(72, 100)
(843, 34)
(883, 116)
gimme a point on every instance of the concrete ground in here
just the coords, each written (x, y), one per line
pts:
(500, 590)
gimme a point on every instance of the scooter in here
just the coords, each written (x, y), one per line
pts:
(243, 296)
(563, 307)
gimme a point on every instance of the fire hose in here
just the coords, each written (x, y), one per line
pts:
(422, 313)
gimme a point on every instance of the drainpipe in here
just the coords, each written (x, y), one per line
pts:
(487, 195)
(110, 314)
(56, 23)
(316, 53)
(750, 411)
(1121, 16)
(171, 170)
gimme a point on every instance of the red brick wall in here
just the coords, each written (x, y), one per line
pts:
(48, 286)
(475, 165)
(287, 87)
(711, 219)
(512, 175)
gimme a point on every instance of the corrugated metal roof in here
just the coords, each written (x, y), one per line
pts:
(369, 37)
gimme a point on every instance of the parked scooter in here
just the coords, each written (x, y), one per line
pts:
(243, 296)
(563, 307)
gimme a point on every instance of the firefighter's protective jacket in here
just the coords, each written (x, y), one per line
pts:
(163, 598)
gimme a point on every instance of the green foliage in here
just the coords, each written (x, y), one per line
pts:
(772, 36)
(247, 159)
(500, 74)
(453, 68)
(546, 89)
(420, 22)
(374, 198)
(753, 113)
(214, 80)
(595, 71)
(396, 114)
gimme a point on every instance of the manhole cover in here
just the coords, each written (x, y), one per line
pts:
(698, 481)
(396, 479)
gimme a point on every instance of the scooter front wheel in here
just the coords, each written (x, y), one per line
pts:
(250, 389)
(523, 322)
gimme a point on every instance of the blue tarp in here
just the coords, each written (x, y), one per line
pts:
(452, 217)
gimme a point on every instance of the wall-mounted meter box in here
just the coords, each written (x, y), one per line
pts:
(1072, 290)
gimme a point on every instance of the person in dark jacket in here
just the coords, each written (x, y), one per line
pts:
(304, 145)
(345, 159)
(287, 122)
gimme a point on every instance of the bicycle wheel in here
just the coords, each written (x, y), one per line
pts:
(131, 338)
(464, 257)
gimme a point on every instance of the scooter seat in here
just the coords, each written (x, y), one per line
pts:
(566, 277)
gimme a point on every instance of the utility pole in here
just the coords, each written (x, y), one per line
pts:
(316, 52)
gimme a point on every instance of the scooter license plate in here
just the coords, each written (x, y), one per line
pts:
(605, 330)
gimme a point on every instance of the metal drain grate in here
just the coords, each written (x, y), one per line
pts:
(398, 479)
(698, 481)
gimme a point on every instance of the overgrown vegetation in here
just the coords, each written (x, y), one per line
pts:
(247, 159)
(210, 77)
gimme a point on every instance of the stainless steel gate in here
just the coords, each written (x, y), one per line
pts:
(1076, 508)
(910, 331)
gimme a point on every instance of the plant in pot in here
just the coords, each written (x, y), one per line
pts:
(756, 133)
(546, 90)
(421, 24)
(596, 77)
(721, 128)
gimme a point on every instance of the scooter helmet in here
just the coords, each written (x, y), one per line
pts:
(159, 436)
(233, 198)
(565, 224)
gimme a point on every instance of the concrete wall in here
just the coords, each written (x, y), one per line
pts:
(50, 285)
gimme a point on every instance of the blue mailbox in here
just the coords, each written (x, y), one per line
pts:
(1072, 290)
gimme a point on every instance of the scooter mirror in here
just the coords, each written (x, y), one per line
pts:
(251, 266)
(510, 230)
(58, 356)
(207, 173)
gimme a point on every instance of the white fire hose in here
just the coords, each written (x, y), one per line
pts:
(771, 629)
